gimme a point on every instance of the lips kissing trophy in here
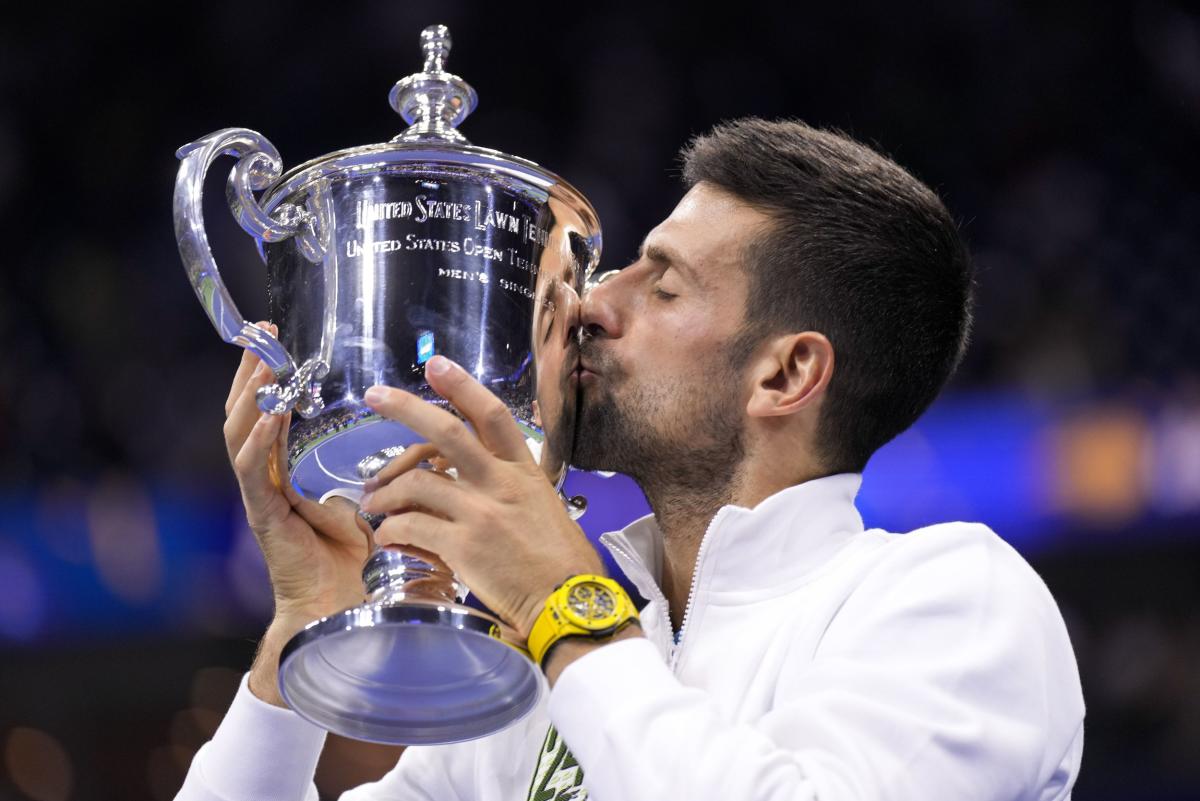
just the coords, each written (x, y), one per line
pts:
(379, 257)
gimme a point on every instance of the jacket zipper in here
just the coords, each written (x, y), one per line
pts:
(677, 648)
(656, 591)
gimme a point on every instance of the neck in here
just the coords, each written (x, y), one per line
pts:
(683, 521)
(683, 514)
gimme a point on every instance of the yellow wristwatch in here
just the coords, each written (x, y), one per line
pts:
(582, 606)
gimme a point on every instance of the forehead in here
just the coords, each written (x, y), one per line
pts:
(707, 231)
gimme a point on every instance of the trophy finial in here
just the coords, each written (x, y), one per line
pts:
(433, 102)
(436, 42)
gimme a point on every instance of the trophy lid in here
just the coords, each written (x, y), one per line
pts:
(433, 102)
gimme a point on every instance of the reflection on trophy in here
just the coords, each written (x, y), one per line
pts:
(378, 258)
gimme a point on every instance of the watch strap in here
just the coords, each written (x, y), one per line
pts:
(557, 622)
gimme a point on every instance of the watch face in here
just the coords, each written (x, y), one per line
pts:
(591, 602)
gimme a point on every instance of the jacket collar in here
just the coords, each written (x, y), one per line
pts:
(779, 543)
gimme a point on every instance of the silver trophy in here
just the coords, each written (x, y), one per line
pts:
(379, 257)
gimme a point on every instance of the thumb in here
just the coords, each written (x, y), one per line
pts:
(260, 489)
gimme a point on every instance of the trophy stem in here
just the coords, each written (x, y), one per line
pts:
(411, 666)
(391, 574)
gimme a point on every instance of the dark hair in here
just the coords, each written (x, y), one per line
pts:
(860, 251)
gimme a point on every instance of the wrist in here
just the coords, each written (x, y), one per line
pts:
(532, 611)
(264, 672)
(293, 614)
(569, 649)
(587, 606)
(535, 602)
(264, 679)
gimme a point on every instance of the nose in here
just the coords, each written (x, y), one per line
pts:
(599, 313)
(570, 306)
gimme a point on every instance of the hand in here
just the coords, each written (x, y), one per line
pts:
(314, 552)
(501, 525)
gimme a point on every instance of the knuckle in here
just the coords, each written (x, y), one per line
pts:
(451, 430)
(486, 515)
(496, 413)
(423, 480)
(389, 471)
(241, 464)
(391, 401)
(385, 533)
(509, 491)
(395, 530)
(394, 495)
(401, 482)
(421, 452)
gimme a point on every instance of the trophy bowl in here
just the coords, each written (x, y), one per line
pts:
(378, 258)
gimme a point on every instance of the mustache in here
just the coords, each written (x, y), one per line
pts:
(597, 358)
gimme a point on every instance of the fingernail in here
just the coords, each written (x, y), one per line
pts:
(439, 365)
(259, 370)
(370, 485)
(364, 500)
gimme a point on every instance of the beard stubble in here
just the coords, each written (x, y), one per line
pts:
(678, 443)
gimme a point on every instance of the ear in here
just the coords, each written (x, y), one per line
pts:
(792, 374)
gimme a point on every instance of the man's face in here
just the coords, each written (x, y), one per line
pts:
(660, 395)
(555, 345)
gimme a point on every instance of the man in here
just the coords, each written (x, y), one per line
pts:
(803, 304)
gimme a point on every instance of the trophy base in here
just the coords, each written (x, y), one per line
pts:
(407, 673)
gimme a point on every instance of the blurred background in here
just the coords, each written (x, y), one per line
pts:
(131, 594)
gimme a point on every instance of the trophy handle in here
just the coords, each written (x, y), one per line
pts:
(257, 167)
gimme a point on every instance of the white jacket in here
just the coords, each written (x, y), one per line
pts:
(816, 661)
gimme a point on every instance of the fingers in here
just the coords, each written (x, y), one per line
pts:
(491, 418)
(412, 456)
(245, 369)
(335, 519)
(493, 422)
(244, 413)
(429, 557)
(418, 489)
(418, 529)
(250, 463)
(445, 432)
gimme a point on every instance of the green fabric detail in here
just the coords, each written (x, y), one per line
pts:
(558, 775)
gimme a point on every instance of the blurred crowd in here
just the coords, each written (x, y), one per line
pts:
(1059, 136)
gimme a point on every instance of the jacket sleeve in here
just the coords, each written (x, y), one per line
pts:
(946, 674)
(259, 752)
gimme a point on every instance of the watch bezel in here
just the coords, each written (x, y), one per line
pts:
(594, 625)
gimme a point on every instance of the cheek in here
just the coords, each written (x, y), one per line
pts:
(677, 343)
(689, 350)
(681, 325)
(680, 372)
